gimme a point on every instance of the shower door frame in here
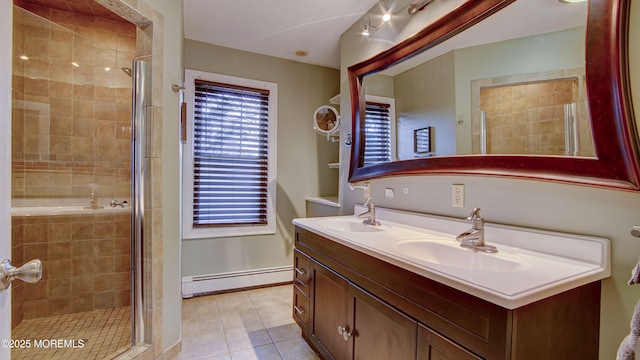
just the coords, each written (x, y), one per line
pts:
(6, 36)
(140, 111)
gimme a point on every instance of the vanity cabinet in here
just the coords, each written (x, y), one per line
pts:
(433, 346)
(301, 283)
(349, 323)
(361, 307)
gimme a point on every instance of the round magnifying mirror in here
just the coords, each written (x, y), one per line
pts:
(326, 120)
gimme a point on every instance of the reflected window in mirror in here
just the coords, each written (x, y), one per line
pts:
(380, 140)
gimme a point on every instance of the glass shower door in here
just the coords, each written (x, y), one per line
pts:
(71, 142)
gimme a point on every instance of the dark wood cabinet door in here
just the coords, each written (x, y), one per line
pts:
(329, 297)
(378, 331)
(432, 346)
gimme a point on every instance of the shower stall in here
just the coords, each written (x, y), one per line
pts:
(547, 116)
(80, 99)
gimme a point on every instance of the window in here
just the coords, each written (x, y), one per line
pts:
(379, 130)
(229, 157)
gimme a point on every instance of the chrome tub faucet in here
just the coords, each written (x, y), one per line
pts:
(474, 238)
(93, 203)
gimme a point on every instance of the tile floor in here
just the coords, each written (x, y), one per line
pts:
(98, 334)
(246, 325)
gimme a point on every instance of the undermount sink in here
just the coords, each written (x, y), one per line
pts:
(454, 256)
(350, 225)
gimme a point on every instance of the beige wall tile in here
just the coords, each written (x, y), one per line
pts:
(82, 267)
(35, 309)
(81, 285)
(59, 306)
(59, 288)
(80, 121)
(59, 269)
(59, 250)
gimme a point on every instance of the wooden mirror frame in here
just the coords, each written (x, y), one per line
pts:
(607, 82)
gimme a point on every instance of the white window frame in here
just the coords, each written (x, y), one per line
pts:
(188, 230)
(392, 119)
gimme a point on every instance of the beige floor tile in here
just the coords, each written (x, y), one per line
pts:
(234, 302)
(265, 352)
(245, 319)
(253, 324)
(274, 312)
(241, 339)
(281, 332)
(296, 349)
(203, 346)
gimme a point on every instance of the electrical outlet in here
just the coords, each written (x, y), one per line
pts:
(457, 195)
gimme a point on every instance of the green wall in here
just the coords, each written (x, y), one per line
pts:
(302, 157)
(536, 204)
(425, 96)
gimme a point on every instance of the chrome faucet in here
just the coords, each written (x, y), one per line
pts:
(93, 203)
(370, 215)
(474, 237)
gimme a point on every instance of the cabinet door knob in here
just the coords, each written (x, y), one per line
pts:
(344, 331)
(301, 271)
(299, 309)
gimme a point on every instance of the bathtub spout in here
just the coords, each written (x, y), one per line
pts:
(93, 204)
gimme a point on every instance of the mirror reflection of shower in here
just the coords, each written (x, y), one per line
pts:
(547, 116)
(571, 130)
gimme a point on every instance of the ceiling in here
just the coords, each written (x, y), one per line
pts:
(278, 28)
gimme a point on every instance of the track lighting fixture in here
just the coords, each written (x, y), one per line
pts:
(386, 16)
(414, 7)
(368, 29)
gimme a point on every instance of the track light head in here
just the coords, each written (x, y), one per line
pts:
(419, 6)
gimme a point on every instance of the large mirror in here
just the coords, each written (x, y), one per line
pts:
(502, 87)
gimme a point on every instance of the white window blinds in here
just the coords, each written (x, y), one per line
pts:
(230, 155)
(377, 133)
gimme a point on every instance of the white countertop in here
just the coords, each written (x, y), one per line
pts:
(537, 263)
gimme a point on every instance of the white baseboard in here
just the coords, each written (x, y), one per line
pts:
(205, 284)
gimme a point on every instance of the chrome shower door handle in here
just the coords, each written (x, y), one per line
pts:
(122, 204)
(30, 272)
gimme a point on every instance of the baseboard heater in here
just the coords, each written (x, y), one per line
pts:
(211, 283)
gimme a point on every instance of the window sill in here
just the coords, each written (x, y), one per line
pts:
(223, 232)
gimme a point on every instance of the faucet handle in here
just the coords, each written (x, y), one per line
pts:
(475, 215)
(476, 221)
